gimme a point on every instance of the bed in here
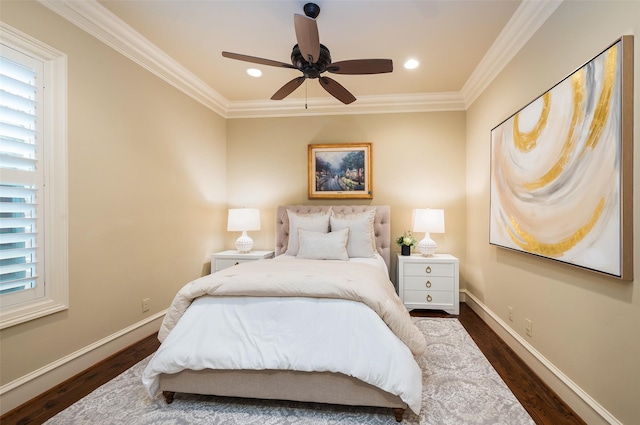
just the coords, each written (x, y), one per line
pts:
(275, 338)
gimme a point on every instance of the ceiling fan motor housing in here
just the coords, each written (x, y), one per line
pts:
(311, 70)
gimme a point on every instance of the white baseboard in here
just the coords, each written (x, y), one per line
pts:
(25, 388)
(579, 400)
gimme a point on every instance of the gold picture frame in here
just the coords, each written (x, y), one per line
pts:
(340, 171)
(562, 166)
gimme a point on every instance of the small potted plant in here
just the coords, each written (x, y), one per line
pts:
(405, 242)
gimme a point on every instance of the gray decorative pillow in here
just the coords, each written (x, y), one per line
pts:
(323, 246)
(362, 241)
(316, 222)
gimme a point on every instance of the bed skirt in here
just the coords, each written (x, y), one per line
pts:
(318, 387)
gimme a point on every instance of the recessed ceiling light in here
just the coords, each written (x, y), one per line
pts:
(411, 64)
(254, 72)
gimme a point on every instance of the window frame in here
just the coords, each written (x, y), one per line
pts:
(53, 141)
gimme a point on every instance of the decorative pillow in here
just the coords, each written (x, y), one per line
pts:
(362, 242)
(316, 222)
(323, 246)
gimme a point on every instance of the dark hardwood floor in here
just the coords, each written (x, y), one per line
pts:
(60, 397)
(544, 406)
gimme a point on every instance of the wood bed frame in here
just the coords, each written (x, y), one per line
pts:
(317, 387)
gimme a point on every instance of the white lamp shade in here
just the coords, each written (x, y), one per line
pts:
(428, 220)
(242, 219)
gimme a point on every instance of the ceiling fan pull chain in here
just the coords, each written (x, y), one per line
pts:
(306, 92)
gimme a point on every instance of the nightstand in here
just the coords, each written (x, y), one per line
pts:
(429, 282)
(224, 259)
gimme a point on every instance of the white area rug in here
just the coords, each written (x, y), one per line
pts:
(459, 387)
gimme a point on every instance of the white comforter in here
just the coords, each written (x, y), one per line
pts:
(291, 333)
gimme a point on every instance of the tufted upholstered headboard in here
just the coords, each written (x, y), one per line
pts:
(381, 224)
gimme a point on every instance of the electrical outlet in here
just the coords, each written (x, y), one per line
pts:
(528, 327)
(510, 313)
(145, 305)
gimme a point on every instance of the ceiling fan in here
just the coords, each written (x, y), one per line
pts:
(313, 59)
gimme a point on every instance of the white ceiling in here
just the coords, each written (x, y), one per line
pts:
(450, 38)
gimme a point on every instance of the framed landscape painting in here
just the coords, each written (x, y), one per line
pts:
(340, 171)
(561, 169)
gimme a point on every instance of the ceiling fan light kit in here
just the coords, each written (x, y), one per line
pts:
(313, 59)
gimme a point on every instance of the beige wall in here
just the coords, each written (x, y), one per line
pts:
(418, 162)
(587, 326)
(146, 189)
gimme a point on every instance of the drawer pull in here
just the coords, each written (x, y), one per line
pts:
(429, 299)
(428, 269)
(428, 284)
(237, 262)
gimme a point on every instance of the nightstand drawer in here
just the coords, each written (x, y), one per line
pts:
(429, 297)
(433, 283)
(430, 269)
(222, 260)
(223, 263)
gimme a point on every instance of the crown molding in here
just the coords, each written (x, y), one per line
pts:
(526, 20)
(92, 17)
(427, 102)
(95, 19)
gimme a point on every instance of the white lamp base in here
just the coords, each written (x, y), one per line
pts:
(244, 243)
(427, 246)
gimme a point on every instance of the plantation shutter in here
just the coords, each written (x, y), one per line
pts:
(21, 180)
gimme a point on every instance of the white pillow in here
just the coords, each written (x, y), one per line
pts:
(316, 222)
(362, 242)
(323, 246)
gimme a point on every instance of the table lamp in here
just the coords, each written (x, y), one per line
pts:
(428, 221)
(242, 220)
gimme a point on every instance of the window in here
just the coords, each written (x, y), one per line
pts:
(33, 201)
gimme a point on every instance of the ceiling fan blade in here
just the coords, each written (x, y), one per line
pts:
(308, 37)
(336, 90)
(361, 66)
(288, 88)
(254, 59)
